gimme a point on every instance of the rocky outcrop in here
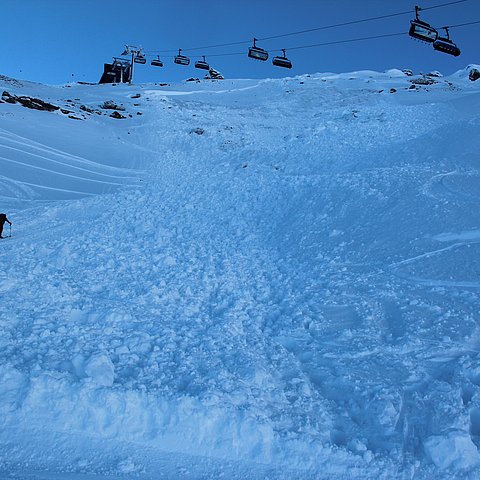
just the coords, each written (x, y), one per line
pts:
(116, 114)
(423, 81)
(29, 102)
(84, 108)
(474, 74)
(214, 75)
(110, 105)
(8, 98)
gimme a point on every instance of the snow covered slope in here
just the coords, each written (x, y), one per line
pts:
(249, 279)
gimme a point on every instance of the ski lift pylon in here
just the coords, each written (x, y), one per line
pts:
(181, 59)
(257, 53)
(445, 45)
(282, 61)
(202, 64)
(422, 30)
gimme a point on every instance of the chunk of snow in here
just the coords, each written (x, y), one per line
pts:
(100, 369)
(455, 449)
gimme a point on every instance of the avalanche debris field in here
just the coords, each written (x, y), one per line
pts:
(241, 279)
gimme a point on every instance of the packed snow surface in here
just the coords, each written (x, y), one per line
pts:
(242, 279)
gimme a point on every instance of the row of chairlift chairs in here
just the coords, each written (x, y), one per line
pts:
(426, 33)
(418, 29)
(178, 59)
(253, 52)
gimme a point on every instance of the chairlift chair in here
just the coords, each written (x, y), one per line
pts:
(282, 61)
(202, 64)
(422, 30)
(139, 58)
(445, 45)
(257, 53)
(181, 59)
(156, 62)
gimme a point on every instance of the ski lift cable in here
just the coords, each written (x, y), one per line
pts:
(353, 22)
(336, 42)
(464, 24)
(325, 27)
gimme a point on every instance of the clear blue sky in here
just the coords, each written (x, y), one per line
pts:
(58, 41)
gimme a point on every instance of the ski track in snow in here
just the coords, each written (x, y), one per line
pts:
(270, 298)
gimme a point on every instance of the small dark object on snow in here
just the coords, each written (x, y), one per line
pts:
(7, 97)
(474, 75)
(423, 81)
(214, 75)
(86, 109)
(110, 105)
(73, 117)
(37, 104)
(137, 95)
(393, 90)
(198, 131)
(3, 219)
(116, 114)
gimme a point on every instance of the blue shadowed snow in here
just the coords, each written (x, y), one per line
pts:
(251, 279)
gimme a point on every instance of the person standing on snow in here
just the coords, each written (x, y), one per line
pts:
(3, 219)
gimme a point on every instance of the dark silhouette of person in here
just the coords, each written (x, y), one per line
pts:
(3, 219)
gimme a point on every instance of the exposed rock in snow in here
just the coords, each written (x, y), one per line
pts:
(111, 105)
(29, 102)
(118, 115)
(435, 74)
(474, 74)
(424, 80)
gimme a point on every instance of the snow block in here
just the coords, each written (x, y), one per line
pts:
(13, 387)
(100, 369)
(455, 449)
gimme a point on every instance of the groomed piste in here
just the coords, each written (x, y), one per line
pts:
(242, 279)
